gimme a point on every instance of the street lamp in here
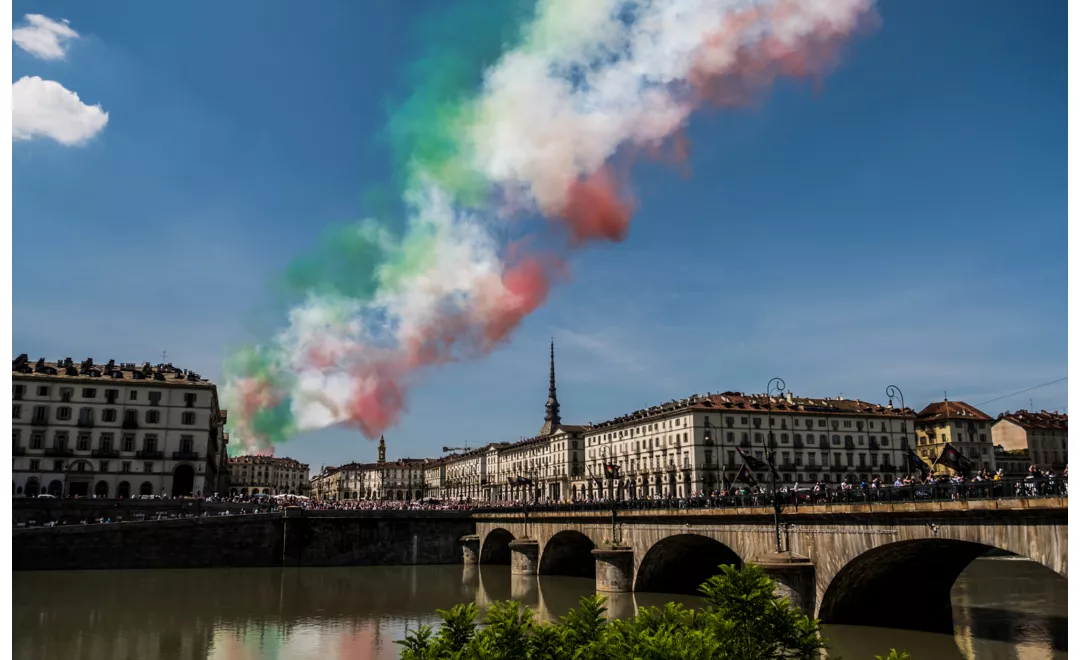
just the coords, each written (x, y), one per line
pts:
(779, 385)
(893, 391)
(611, 472)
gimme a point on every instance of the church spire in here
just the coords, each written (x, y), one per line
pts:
(382, 449)
(551, 416)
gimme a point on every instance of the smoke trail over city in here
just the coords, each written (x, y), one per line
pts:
(536, 118)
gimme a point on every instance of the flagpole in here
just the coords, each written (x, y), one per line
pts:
(780, 387)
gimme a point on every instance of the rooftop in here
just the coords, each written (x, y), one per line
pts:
(1041, 420)
(941, 411)
(759, 403)
(283, 461)
(88, 370)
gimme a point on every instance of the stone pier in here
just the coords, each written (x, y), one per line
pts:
(794, 577)
(470, 549)
(524, 557)
(614, 569)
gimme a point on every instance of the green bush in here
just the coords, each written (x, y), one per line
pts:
(743, 620)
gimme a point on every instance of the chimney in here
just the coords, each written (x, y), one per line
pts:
(790, 399)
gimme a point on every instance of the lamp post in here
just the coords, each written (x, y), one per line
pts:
(893, 391)
(779, 385)
(611, 478)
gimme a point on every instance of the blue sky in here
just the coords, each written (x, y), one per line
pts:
(902, 223)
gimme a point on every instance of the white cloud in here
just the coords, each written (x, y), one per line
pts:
(45, 108)
(43, 37)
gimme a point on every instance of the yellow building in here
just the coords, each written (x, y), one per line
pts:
(962, 425)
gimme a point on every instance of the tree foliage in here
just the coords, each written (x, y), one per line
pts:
(743, 619)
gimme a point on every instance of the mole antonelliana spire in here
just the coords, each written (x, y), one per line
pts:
(551, 408)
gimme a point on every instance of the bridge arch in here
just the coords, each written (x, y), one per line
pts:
(569, 553)
(906, 584)
(496, 547)
(679, 564)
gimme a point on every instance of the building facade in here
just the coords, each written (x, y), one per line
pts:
(115, 430)
(962, 425)
(268, 475)
(691, 445)
(1042, 435)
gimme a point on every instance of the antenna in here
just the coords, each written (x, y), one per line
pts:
(164, 357)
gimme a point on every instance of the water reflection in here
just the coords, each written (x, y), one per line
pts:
(1004, 608)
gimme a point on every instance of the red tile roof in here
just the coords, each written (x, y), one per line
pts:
(1037, 420)
(941, 411)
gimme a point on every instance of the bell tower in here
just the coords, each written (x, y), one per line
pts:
(382, 449)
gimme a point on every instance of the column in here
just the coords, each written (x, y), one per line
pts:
(470, 548)
(794, 577)
(614, 569)
(524, 557)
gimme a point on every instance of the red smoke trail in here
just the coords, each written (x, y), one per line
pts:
(379, 397)
(596, 210)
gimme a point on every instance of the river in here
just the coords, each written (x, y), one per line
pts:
(1004, 608)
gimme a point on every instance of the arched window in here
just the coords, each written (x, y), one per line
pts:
(123, 490)
(146, 488)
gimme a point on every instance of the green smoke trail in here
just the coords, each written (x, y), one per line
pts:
(425, 129)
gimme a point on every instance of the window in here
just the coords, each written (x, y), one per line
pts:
(152, 416)
(37, 439)
(66, 393)
(150, 443)
(129, 442)
(105, 442)
(155, 398)
(148, 467)
(103, 466)
(108, 415)
(125, 466)
(16, 437)
(63, 413)
(89, 392)
(131, 418)
(58, 466)
(16, 411)
(17, 392)
(86, 416)
(187, 418)
(111, 395)
(60, 441)
(186, 443)
(35, 464)
(82, 442)
(43, 390)
(133, 395)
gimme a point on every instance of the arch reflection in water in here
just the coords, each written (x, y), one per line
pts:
(339, 613)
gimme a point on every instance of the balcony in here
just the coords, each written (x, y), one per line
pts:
(59, 451)
(149, 454)
(185, 455)
(19, 451)
(39, 421)
(130, 423)
(85, 423)
(105, 453)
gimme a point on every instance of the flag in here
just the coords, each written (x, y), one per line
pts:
(745, 476)
(611, 471)
(952, 458)
(918, 463)
(524, 481)
(757, 464)
(725, 483)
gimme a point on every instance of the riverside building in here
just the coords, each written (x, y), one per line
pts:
(689, 446)
(268, 475)
(963, 426)
(115, 430)
(1040, 437)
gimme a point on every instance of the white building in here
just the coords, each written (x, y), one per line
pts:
(268, 475)
(689, 446)
(1043, 435)
(115, 430)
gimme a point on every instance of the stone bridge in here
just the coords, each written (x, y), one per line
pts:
(890, 565)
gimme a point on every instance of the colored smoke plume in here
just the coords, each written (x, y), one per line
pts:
(520, 116)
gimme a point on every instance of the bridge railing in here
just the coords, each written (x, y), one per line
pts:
(1005, 489)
